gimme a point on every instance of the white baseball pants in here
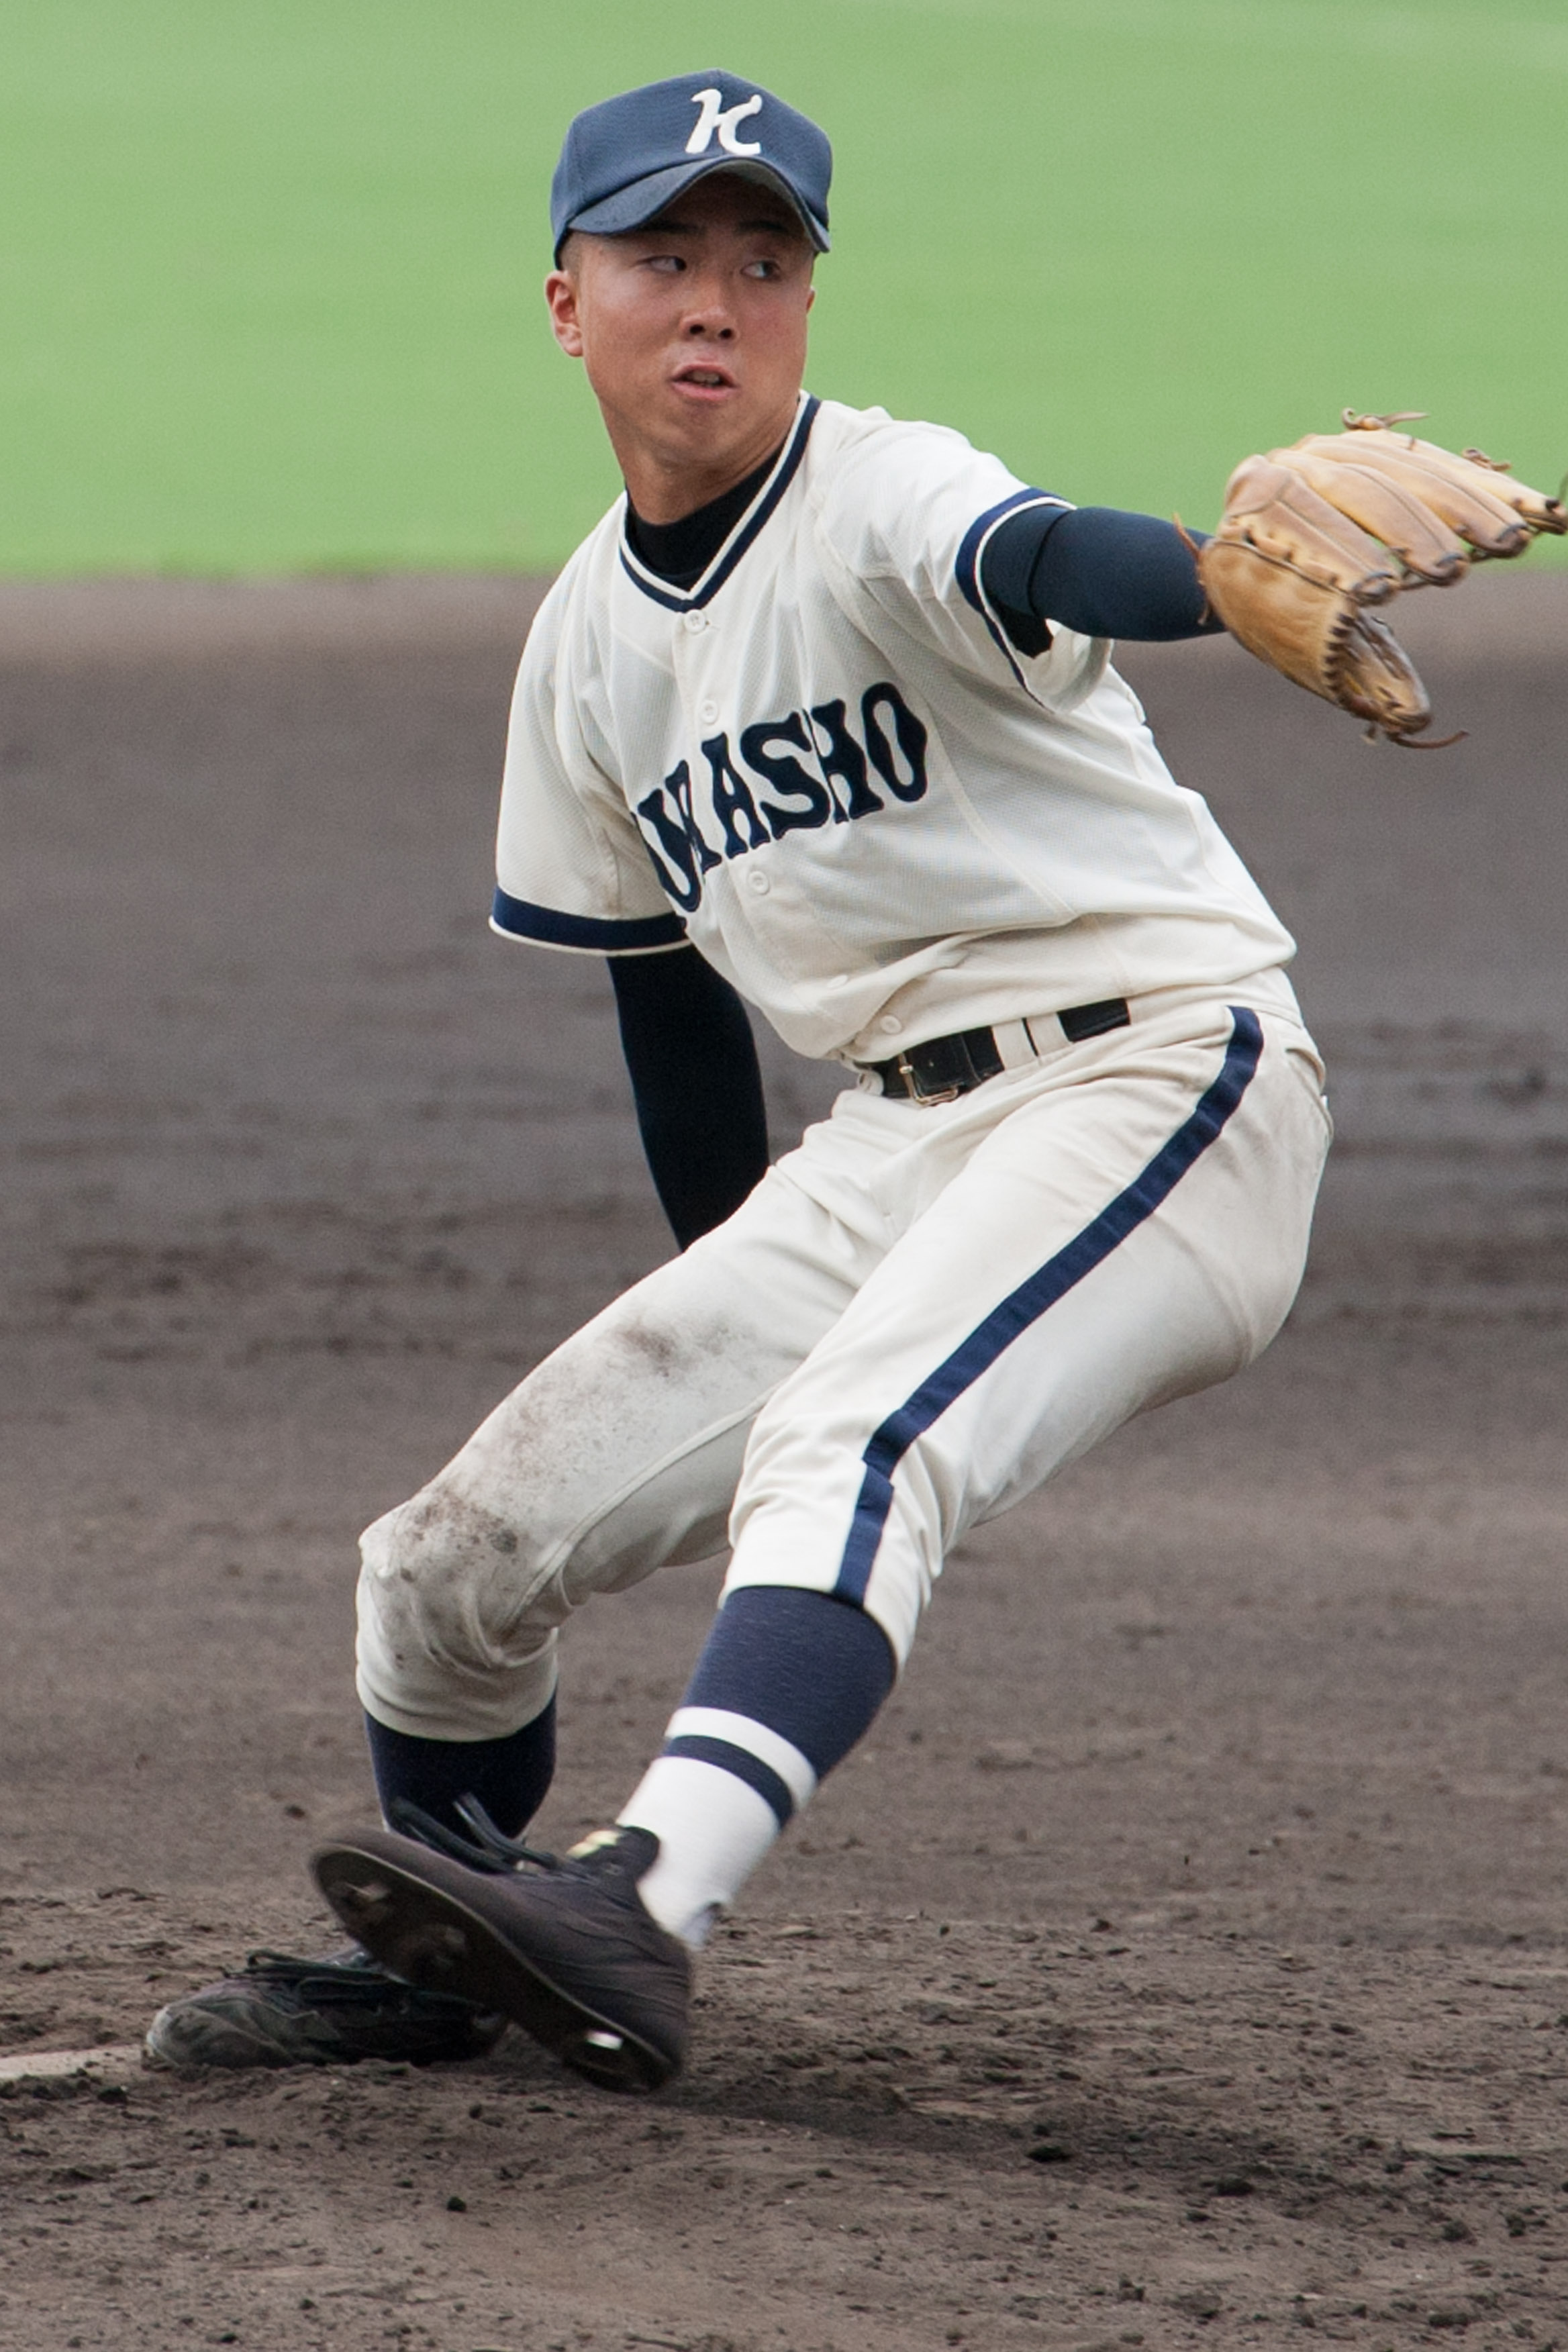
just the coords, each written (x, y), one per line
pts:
(917, 1316)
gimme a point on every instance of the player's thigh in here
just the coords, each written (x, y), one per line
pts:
(1113, 1243)
(621, 1450)
(618, 1454)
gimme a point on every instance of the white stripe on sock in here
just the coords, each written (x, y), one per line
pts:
(712, 1831)
(778, 1754)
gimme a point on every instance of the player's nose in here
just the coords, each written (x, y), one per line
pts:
(709, 326)
(708, 314)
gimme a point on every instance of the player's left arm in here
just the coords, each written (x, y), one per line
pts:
(1095, 570)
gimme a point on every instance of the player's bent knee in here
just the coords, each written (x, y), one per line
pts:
(452, 1641)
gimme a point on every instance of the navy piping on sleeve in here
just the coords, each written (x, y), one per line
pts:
(1024, 1307)
(967, 564)
(518, 919)
(746, 532)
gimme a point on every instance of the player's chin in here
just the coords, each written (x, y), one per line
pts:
(709, 431)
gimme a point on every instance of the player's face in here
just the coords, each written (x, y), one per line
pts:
(693, 335)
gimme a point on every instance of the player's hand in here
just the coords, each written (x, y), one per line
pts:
(1314, 535)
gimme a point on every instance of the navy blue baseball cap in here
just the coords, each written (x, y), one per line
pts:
(629, 157)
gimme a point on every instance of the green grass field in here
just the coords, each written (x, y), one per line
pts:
(269, 273)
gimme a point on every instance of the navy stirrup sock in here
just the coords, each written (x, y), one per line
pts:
(787, 1683)
(510, 1777)
(813, 1669)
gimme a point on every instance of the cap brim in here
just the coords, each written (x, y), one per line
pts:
(633, 207)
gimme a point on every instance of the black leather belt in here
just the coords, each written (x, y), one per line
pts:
(946, 1068)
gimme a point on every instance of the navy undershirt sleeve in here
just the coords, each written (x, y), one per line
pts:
(696, 1083)
(1096, 569)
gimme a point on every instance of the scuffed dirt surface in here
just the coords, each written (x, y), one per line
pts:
(896, 2131)
(1184, 1958)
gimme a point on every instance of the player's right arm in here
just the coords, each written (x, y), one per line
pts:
(697, 1086)
(574, 872)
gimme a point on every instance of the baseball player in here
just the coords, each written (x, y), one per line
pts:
(822, 719)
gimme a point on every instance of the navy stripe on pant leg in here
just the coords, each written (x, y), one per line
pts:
(1032, 1299)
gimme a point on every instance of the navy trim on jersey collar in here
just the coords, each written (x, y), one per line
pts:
(968, 561)
(518, 918)
(752, 522)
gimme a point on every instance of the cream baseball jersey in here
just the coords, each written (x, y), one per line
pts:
(827, 767)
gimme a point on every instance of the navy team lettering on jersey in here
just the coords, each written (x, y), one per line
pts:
(766, 787)
(824, 759)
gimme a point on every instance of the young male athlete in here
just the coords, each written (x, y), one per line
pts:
(821, 717)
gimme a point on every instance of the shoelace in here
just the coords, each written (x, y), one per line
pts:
(489, 1848)
(355, 1977)
(354, 1980)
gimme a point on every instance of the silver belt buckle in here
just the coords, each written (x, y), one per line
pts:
(910, 1077)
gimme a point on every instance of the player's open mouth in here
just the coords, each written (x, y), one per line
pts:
(705, 379)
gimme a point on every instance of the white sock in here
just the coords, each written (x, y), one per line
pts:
(713, 1828)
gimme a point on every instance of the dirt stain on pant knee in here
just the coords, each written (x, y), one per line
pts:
(450, 1578)
(437, 1535)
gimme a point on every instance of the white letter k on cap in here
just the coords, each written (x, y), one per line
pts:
(716, 117)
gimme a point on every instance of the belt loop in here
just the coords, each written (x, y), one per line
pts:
(1016, 1044)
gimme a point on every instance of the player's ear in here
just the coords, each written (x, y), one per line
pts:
(561, 298)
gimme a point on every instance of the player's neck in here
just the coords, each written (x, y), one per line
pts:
(679, 552)
(664, 488)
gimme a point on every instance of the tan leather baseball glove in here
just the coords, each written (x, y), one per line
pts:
(1314, 535)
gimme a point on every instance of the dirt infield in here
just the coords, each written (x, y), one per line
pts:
(1184, 1958)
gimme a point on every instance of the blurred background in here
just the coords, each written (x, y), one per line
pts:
(268, 281)
(300, 1169)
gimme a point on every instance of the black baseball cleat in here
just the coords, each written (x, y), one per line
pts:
(284, 2011)
(561, 1945)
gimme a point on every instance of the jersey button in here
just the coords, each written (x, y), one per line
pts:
(707, 713)
(890, 1024)
(696, 623)
(757, 882)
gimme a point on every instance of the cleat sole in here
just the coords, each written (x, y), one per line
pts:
(432, 1938)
